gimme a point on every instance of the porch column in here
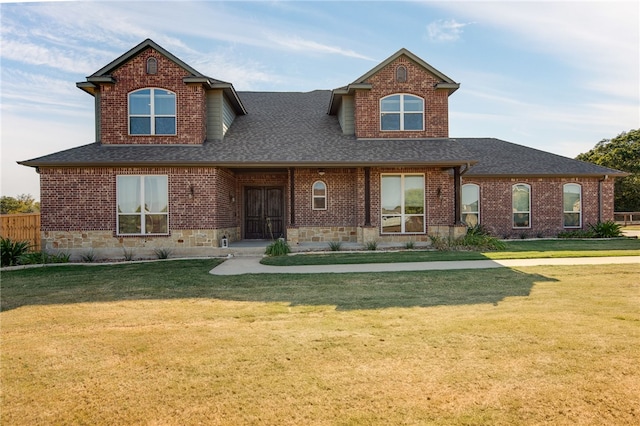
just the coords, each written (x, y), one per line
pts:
(367, 196)
(457, 190)
(292, 198)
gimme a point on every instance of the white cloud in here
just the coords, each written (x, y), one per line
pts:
(598, 38)
(445, 30)
(299, 44)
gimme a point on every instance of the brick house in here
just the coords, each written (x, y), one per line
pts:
(182, 160)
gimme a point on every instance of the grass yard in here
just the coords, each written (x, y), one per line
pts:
(166, 343)
(515, 249)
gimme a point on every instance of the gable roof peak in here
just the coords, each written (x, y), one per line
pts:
(405, 52)
(146, 44)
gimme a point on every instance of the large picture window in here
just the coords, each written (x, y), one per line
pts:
(143, 205)
(402, 112)
(402, 198)
(572, 202)
(521, 203)
(152, 112)
(470, 204)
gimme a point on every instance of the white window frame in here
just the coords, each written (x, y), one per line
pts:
(143, 211)
(152, 115)
(315, 197)
(579, 211)
(514, 212)
(403, 215)
(402, 113)
(465, 210)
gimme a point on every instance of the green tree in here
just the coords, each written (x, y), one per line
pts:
(23, 203)
(621, 153)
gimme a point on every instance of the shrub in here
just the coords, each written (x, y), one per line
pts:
(12, 251)
(608, 229)
(163, 253)
(474, 240)
(41, 257)
(409, 245)
(89, 256)
(577, 233)
(128, 254)
(371, 245)
(335, 245)
(278, 248)
(477, 230)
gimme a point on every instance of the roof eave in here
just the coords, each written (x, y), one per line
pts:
(227, 88)
(337, 94)
(245, 164)
(148, 43)
(547, 175)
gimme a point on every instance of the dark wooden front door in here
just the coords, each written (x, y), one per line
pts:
(263, 212)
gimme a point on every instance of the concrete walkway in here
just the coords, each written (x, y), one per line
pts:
(252, 265)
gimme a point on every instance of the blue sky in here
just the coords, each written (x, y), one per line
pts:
(556, 76)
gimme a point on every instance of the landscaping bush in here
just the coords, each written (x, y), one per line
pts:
(608, 229)
(163, 253)
(278, 248)
(335, 245)
(476, 239)
(12, 251)
(41, 257)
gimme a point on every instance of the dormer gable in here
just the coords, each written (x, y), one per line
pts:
(149, 96)
(402, 97)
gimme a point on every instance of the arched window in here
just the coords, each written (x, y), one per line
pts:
(152, 66)
(402, 112)
(152, 112)
(572, 205)
(521, 203)
(470, 204)
(401, 74)
(319, 195)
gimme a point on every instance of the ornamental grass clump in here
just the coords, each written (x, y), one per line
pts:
(477, 238)
(278, 248)
(12, 251)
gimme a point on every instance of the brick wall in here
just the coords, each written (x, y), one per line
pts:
(546, 204)
(85, 199)
(342, 205)
(190, 102)
(420, 83)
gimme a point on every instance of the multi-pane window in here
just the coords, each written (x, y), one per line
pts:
(152, 112)
(470, 204)
(572, 202)
(521, 203)
(402, 199)
(143, 204)
(402, 112)
(319, 201)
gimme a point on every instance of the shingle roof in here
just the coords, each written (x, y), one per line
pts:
(281, 129)
(501, 158)
(293, 129)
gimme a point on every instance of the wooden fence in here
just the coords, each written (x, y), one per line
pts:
(627, 218)
(21, 227)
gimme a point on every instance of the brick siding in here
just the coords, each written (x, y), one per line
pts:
(190, 102)
(420, 83)
(546, 204)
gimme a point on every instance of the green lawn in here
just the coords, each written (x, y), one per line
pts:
(168, 343)
(515, 249)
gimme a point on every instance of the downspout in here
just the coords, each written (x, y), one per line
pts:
(367, 196)
(292, 192)
(600, 197)
(457, 190)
